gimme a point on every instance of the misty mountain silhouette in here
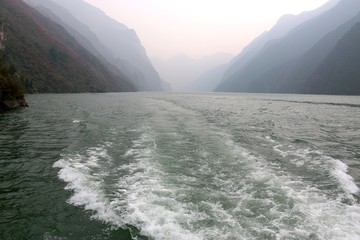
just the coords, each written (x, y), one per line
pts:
(339, 73)
(183, 71)
(71, 46)
(269, 69)
(297, 80)
(283, 26)
(209, 80)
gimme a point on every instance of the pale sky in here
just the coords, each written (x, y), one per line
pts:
(200, 28)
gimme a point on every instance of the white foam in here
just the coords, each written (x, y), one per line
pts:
(269, 138)
(316, 158)
(77, 170)
(141, 200)
(130, 152)
(76, 121)
(49, 236)
(151, 205)
(317, 214)
(340, 171)
(145, 198)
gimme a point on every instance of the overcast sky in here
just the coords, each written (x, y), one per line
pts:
(200, 27)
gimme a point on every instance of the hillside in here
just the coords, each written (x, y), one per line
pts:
(340, 71)
(51, 59)
(77, 29)
(297, 79)
(267, 71)
(284, 25)
(127, 52)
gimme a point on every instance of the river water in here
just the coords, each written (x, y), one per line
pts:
(181, 167)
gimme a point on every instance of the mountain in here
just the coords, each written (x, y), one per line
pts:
(77, 29)
(118, 44)
(48, 58)
(277, 59)
(339, 73)
(284, 25)
(209, 80)
(295, 80)
(80, 32)
(182, 71)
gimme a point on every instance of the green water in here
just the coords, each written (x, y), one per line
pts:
(181, 166)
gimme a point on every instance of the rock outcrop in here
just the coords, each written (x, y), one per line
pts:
(10, 96)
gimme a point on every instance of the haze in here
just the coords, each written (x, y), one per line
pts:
(200, 28)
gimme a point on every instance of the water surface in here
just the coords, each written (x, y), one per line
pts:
(181, 166)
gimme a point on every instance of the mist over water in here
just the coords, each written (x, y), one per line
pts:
(181, 166)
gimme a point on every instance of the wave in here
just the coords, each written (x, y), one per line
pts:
(84, 175)
(150, 203)
(353, 105)
(215, 189)
(316, 158)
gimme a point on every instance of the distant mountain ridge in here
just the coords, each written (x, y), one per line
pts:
(296, 80)
(209, 80)
(115, 42)
(48, 58)
(283, 26)
(284, 64)
(182, 72)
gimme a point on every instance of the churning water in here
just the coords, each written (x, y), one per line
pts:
(181, 167)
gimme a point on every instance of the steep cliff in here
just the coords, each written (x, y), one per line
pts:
(50, 58)
(114, 41)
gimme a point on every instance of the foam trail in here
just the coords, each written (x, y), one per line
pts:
(149, 204)
(84, 175)
(340, 171)
(262, 201)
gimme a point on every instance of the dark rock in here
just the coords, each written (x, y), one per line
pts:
(9, 102)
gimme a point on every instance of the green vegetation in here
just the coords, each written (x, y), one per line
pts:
(58, 56)
(51, 59)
